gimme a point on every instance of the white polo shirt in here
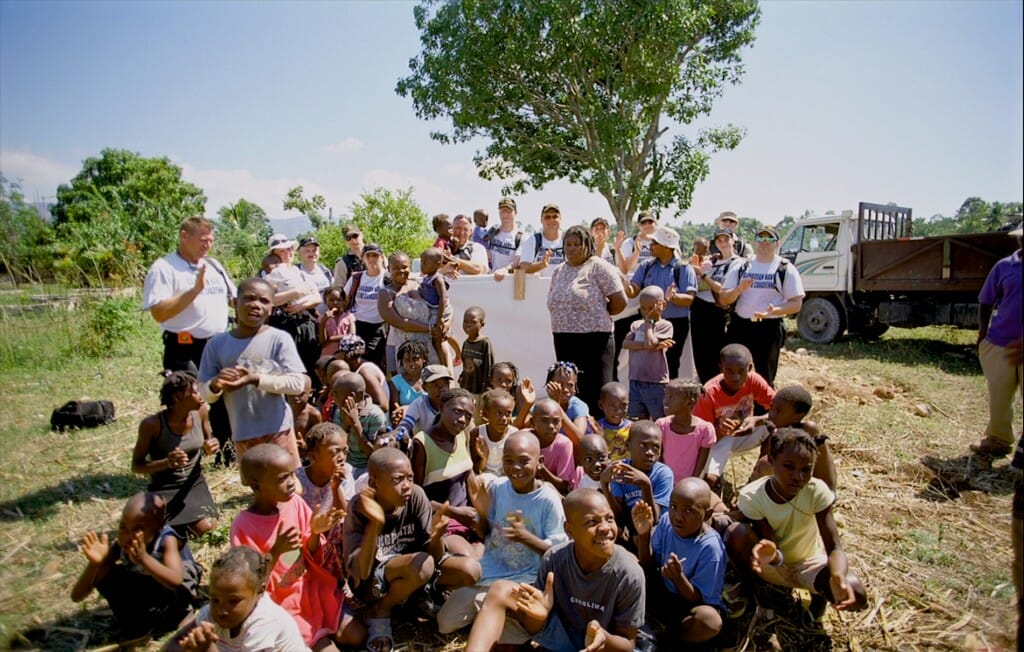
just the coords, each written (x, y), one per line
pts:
(207, 315)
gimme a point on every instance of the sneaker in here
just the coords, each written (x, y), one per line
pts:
(736, 600)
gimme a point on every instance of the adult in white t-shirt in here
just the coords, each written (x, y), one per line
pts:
(630, 252)
(313, 271)
(367, 285)
(503, 240)
(533, 258)
(295, 303)
(764, 291)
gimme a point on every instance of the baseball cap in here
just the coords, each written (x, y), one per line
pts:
(551, 207)
(728, 215)
(507, 201)
(309, 240)
(372, 248)
(280, 241)
(351, 228)
(666, 237)
(769, 230)
(722, 231)
(645, 216)
(434, 372)
(598, 220)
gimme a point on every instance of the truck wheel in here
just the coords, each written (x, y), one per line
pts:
(820, 321)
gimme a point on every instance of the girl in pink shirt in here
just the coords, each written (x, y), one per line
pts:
(686, 438)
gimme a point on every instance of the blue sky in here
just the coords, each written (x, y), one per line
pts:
(918, 103)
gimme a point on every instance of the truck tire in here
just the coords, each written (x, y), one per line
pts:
(820, 321)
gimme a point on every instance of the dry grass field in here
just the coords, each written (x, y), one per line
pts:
(925, 524)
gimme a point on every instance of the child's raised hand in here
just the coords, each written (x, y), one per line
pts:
(596, 637)
(534, 603)
(643, 518)
(326, 519)
(369, 507)
(515, 527)
(287, 539)
(620, 237)
(350, 411)
(526, 392)
(673, 568)
(671, 293)
(554, 390)
(95, 547)
(199, 639)
(665, 345)
(439, 522)
(136, 549)
(397, 415)
(625, 474)
(842, 592)
(211, 446)
(763, 554)
(726, 426)
(177, 458)
(338, 476)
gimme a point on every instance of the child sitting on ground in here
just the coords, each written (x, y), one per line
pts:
(685, 559)
(593, 458)
(252, 368)
(559, 467)
(641, 477)
(360, 418)
(560, 386)
(304, 415)
(280, 524)
(614, 425)
(393, 546)
(648, 339)
(487, 441)
(147, 576)
(686, 438)
(792, 540)
(588, 593)
(327, 483)
(422, 412)
(434, 292)
(505, 375)
(336, 322)
(407, 385)
(477, 356)
(352, 349)
(331, 371)
(240, 616)
(520, 519)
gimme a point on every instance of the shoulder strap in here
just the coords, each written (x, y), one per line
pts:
(519, 238)
(357, 276)
(223, 274)
(780, 273)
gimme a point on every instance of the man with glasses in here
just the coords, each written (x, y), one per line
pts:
(466, 256)
(353, 260)
(544, 249)
(765, 290)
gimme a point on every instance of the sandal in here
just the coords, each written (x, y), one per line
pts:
(379, 629)
(735, 598)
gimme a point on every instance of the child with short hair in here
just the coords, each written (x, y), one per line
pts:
(327, 482)
(336, 322)
(487, 441)
(434, 292)
(442, 225)
(614, 425)
(359, 417)
(252, 367)
(279, 523)
(240, 616)
(686, 561)
(641, 477)
(520, 519)
(422, 412)
(593, 458)
(393, 546)
(268, 264)
(477, 356)
(352, 349)
(560, 385)
(792, 540)
(648, 339)
(587, 590)
(701, 246)
(328, 409)
(304, 415)
(148, 575)
(559, 467)
(730, 396)
(686, 438)
(407, 385)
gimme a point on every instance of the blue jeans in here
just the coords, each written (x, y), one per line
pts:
(646, 400)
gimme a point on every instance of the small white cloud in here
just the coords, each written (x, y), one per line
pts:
(350, 144)
(429, 195)
(34, 171)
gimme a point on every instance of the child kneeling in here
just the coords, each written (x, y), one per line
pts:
(588, 591)
(793, 540)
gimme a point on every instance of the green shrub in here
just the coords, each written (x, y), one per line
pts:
(110, 324)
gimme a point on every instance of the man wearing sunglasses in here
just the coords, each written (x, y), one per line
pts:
(353, 260)
(765, 290)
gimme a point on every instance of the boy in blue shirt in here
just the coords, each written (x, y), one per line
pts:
(641, 477)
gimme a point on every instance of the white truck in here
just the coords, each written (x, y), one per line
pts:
(864, 271)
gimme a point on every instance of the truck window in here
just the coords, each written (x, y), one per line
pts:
(791, 246)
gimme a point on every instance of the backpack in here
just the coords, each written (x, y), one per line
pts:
(675, 271)
(780, 272)
(82, 414)
(328, 273)
(493, 231)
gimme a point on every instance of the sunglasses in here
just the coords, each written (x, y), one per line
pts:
(765, 238)
(352, 236)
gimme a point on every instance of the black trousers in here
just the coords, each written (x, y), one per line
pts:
(302, 327)
(179, 356)
(680, 331)
(764, 339)
(708, 333)
(592, 353)
(376, 341)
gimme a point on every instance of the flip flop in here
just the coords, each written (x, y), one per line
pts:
(379, 629)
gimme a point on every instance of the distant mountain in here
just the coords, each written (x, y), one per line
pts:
(291, 226)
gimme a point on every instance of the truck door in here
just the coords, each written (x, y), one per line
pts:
(813, 249)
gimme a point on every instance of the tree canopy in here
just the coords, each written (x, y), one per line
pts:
(594, 92)
(392, 219)
(242, 232)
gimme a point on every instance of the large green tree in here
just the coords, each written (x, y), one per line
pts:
(312, 207)
(392, 219)
(242, 232)
(24, 236)
(599, 93)
(117, 215)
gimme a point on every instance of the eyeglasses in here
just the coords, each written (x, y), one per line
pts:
(765, 238)
(352, 236)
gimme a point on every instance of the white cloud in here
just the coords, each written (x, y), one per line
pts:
(430, 196)
(35, 173)
(350, 144)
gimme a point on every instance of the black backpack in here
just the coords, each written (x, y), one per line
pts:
(82, 414)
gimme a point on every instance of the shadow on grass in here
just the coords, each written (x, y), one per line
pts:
(950, 357)
(968, 472)
(42, 504)
(81, 630)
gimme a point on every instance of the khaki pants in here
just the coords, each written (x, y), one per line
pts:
(1003, 380)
